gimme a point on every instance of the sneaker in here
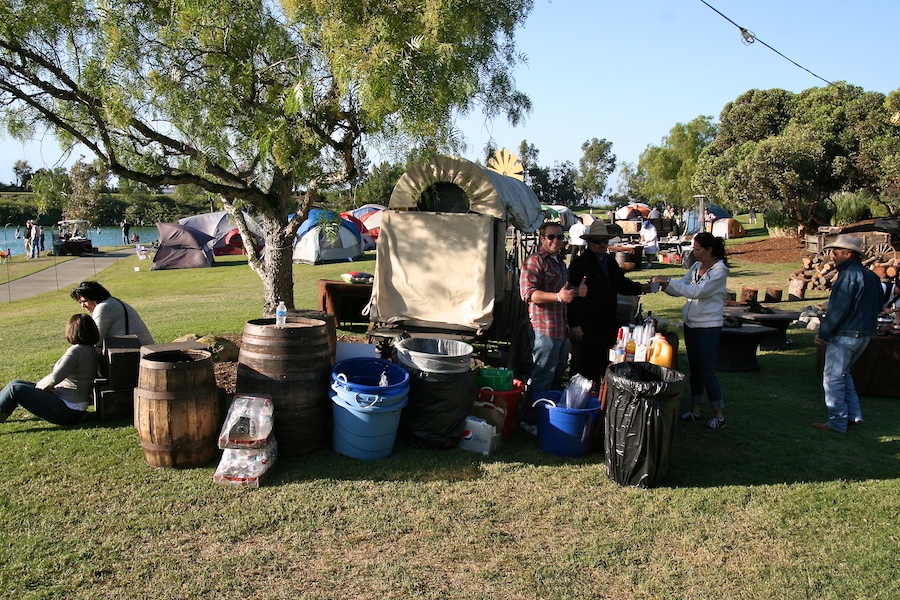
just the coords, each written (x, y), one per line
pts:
(689, 417)
(715, 423)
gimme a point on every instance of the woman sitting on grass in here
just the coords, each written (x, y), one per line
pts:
(113, 317)
(63, 396)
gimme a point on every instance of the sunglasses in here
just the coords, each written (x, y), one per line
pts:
(554, 236)
(600, 242)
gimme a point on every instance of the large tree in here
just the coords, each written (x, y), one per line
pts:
(790, 153)
(596, 164)
(23, 172)
(259, 103)
(664, 172)
(88, 180)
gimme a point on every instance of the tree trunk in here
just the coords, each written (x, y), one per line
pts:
(275, 268)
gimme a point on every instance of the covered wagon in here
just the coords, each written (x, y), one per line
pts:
(443, 262)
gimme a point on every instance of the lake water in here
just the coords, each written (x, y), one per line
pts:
(112, 236)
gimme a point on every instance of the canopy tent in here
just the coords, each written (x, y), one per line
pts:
(443, 262)
(314, 246)
(182, 247)
(223, 230)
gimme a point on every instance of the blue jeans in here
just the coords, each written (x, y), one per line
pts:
(550, 358)
(702, 346)
(45, 405)
(840, 393)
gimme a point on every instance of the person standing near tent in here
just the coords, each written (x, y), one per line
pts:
(708, 218)
(703, 313)
(113, 317)
(545, 288)
(852, 318)
(592, 316)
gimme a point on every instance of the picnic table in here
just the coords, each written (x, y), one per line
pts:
(777, 319)
(737, 348)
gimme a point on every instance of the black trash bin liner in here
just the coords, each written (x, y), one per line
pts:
(442, 391)
(641, 414)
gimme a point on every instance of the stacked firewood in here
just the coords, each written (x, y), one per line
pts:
(819, 272)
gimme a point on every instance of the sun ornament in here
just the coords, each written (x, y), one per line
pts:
(506, 163)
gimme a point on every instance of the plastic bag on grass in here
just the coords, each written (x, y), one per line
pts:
(246, 467)
(248, 423)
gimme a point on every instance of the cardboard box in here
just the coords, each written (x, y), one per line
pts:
(479, 436)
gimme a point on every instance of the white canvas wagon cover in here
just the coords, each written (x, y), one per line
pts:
(488, 192)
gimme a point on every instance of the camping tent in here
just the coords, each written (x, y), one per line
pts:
(633, 211)
(368, 240)
(728, 228)
(693, 224)
(181, 247)
(222, 228)
(372, 223)
(447, 269)
(313, 245)
(365, 209)
(564, 215)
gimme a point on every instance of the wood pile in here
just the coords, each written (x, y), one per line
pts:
(819, 272)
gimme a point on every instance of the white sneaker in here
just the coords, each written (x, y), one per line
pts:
(715, 423)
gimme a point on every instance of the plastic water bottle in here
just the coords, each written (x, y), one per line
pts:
(280, 314)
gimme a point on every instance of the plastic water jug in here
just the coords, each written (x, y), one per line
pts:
(660, 352)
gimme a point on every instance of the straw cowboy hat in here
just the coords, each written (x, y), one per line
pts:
(598, 231)
(847, 242)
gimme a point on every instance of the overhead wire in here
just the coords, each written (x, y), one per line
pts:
(749, 37)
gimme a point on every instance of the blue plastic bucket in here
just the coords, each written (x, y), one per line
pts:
(361, 400)
(365, 432)
(566, 431)
(364, 376)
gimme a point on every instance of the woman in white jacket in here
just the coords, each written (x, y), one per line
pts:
(704, 288)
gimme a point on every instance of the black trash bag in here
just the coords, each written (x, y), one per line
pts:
(437, 409)
(641, 413)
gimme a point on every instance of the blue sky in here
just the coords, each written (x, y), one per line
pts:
(628, 71)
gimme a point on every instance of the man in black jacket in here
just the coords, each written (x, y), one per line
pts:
(592, 319)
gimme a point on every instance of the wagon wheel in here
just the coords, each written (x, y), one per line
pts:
(882, 252)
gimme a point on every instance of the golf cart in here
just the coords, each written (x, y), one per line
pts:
(70, 239)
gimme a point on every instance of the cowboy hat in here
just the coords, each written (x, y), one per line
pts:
(847, 242)
(598, 230)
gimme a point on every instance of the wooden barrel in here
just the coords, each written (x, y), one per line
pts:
(321, 315)
(176, 408)
(292, 364)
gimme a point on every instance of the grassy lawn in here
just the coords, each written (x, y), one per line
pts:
(766, 508)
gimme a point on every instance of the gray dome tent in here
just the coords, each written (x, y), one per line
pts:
(181, 247)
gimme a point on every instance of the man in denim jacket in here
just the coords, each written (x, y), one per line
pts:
(853, 309)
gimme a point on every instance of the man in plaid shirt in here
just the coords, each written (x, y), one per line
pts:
(545, 287)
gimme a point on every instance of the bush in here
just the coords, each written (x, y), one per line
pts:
(850, 207)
